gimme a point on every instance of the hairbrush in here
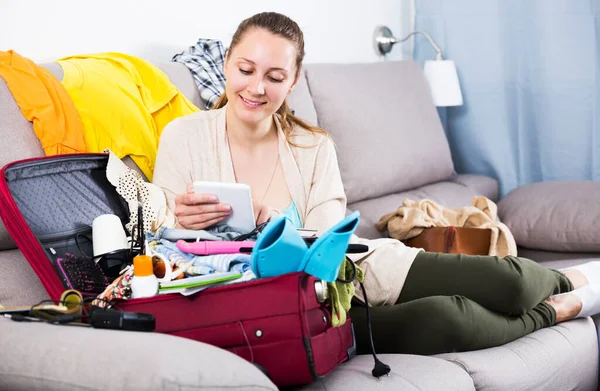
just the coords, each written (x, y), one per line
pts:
(82, 274)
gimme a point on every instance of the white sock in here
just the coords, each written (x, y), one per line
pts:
(590, 270)
(590, 299)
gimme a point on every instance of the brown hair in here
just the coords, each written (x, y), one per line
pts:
(285, 27)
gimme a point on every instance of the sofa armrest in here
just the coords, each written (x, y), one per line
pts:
(479, 184)
(43, 356)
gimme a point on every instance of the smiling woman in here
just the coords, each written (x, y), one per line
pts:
(253, 136)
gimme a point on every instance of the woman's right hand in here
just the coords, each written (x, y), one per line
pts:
(199, 211)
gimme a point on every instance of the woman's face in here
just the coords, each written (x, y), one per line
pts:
(260, 73)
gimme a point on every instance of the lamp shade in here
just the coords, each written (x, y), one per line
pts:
(443, 82)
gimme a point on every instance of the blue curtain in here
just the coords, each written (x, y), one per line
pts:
(529, 73)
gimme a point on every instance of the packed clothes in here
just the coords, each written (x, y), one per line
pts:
(197, 264)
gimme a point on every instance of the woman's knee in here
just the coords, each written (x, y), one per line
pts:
(518, 294)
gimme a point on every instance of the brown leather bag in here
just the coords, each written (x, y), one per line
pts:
(453, 240)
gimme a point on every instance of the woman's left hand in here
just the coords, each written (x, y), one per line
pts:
(262, 213)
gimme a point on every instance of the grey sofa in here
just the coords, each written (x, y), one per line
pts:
(391, 146)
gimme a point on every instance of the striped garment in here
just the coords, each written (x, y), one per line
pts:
(205, 61)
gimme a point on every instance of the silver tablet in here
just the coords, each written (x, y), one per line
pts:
(238, 196)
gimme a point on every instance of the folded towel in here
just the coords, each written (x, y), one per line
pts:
(412, 217)
(341, 293)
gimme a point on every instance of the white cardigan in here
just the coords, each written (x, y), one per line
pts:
(195, 147)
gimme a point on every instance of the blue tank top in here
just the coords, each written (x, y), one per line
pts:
(292, 214)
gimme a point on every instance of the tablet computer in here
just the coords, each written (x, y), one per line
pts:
(238, 196)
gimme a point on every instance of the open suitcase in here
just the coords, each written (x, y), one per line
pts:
(276, 323)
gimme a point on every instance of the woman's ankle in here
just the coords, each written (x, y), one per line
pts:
(567, 306)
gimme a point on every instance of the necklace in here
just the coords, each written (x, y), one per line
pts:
(270, 180)
(272, 174)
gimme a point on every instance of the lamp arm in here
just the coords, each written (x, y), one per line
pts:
(437, 49)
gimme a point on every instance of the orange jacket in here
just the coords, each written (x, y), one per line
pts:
(45, 102)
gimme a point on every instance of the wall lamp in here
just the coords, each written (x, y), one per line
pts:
(441, 74)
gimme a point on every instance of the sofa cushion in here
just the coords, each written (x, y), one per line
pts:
(39, 356)
(562, 357)
(301, 102)
(19, 285)
(448, 193)
(566, 262)
(387, 131)
(554, 216)
(555, 259)
(409, 372)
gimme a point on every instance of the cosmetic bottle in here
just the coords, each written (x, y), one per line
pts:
(144, 283)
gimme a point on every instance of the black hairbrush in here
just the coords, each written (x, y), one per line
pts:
(82, 274)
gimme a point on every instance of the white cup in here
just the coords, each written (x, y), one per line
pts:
(108, 235)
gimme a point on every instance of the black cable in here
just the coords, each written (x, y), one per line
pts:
(64, 318)
(141, 233)
(250, 234)
(380, 369)
(53, 319)
(79, 247)
(354, 272)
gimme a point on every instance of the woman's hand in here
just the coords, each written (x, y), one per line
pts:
(199, 211)
(262, 213)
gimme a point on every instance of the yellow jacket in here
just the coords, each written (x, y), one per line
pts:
(43, 101)
(124, 103)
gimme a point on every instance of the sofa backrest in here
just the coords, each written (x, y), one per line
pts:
(381, 116)
(301, 103)
(181, 78)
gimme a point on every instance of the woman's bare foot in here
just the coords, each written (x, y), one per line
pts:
(566, 306)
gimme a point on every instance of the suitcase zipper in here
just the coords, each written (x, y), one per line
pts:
(36, 161)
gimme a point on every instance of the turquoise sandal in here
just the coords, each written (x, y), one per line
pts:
(324, 257)
(278, 250)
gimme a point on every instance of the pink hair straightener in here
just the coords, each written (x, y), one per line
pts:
(214, 247)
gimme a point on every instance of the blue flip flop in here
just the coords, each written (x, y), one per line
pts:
(324, 257)
(278, 250)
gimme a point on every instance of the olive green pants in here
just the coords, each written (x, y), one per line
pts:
(453, 303)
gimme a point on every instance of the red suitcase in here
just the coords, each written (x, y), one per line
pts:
(276, 323)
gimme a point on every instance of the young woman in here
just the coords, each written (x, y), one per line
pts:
(425, 303)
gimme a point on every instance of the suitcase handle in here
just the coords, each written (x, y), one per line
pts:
(353, 248)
